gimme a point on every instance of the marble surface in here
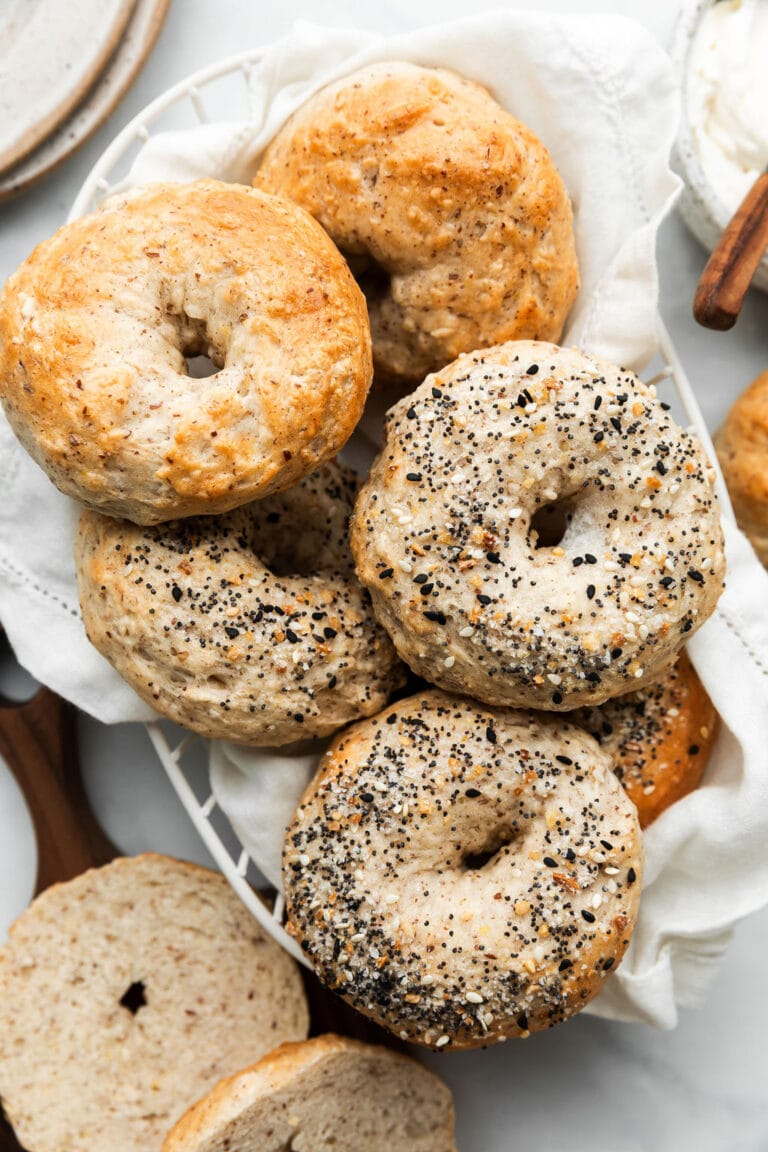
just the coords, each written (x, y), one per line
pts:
(590, 1085)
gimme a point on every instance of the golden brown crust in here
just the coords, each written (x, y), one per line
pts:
(235, 1106)
(742, 449)
(480, 869)
(95, 325)
(250, 626)
(660, 738)
(451, 211)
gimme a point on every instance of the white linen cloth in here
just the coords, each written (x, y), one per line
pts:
(601, 95)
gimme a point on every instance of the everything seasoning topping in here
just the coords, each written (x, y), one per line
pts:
(496, 485)
(647, 734)
(451, 885)
(210, 612)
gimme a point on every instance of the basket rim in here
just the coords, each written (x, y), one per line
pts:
(136, 128)
(95, 186)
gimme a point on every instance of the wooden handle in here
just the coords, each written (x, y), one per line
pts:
(730, 268)
(328, 1013)
(8, 1141)
(38, 741)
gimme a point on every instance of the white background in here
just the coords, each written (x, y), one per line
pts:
(589, 1085)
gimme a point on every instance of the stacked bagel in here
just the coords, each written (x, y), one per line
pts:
(536, 541)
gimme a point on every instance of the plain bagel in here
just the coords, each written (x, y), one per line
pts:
(451, 212)
(462, 874)
(742, 448)
(250, 626)
(537, 530)
(96, 324)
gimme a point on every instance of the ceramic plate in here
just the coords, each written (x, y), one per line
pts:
(18, 851)
(131, 53)
(51, 54)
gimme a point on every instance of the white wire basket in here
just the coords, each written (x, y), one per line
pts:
(211, 94)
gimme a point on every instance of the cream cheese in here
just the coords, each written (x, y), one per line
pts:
(727, 96)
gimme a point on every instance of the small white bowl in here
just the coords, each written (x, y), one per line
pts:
(703, 211)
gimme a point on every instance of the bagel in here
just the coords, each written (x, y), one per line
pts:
(659, 738)
(321, 1094)
(537, 531)
(742, 448)
(462, 874)
(96, 325)
(451, 212)
(250, 626)
(127, 993)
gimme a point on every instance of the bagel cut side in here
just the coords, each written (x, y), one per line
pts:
(127, 993)
(328, 1094)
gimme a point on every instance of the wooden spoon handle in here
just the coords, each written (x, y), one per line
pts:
(38, 741)
(730, 268)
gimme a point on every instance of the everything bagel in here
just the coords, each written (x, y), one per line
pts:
(462, 874)
(537, 530)
(250, 626)
(660, 738)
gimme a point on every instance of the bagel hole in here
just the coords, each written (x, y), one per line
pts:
(134, 997)
(550, 523)
(501, 838)
(372, 279)
(292, 557)
(290, 539)
(199, 367)
(203, 356)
